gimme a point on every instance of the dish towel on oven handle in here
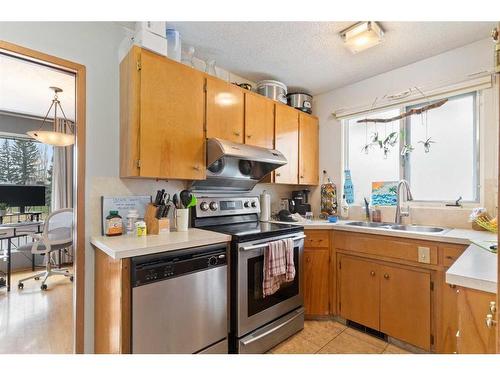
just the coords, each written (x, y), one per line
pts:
(278, 265)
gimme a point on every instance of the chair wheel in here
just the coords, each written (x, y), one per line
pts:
(43, 287)
(37, 278)
(20, 286)
(71, 278)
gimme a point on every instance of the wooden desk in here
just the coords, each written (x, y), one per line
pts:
(15, 230)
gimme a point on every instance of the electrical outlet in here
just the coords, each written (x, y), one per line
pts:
(424, 254)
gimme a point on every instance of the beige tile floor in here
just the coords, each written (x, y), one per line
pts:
(330, 337)
(36, 321)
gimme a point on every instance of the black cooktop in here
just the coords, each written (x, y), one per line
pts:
(255, 230)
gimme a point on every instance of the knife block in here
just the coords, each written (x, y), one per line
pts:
(154, 225)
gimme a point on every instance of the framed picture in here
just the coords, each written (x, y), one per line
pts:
(384, 193)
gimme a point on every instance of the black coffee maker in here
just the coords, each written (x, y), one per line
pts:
(300, 199)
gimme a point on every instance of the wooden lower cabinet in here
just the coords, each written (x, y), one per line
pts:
(359, 291)
(391, 299)
(474, 336)
(405, 305)
(316, 281)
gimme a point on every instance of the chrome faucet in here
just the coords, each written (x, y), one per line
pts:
(400, 212)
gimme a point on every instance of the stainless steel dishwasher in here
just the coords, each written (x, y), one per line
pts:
(179, 301)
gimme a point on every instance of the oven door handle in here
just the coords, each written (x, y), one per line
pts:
(253, 247)
(274, 329)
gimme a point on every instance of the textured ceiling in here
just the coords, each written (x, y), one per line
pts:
(311, 55)
(24, 88)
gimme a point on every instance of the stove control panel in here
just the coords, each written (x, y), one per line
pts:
(223, 206)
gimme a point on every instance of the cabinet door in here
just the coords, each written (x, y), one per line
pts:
(259, 121)
(448, 323)
(287, 141)
(359, 291)
(225, 110)
(474, 336)
(172, 142)
(316, 281)
(405, 305)
(308, 150)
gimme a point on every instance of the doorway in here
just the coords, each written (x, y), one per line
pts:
(41, 195)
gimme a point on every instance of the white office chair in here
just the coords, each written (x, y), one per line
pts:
(57, 234)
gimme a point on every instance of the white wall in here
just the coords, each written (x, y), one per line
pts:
(451, 65)
(96, 45)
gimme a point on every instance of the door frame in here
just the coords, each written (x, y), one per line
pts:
(79, 258)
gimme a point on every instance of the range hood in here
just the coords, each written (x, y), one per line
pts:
(235, 167)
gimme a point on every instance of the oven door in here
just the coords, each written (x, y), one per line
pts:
(253, 309)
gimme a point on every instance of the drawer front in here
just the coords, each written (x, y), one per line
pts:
(451, 254)
(317, 239)
(5, 233)
(389, 247)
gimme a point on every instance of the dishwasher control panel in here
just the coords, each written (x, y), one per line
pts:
(150, 269)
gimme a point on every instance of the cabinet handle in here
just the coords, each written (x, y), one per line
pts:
(237, 134)
(449, 257)
(249, 136)
(196, 167)
(386, 276)
(278, 174)
(493, 307)
(489, 321)
(372, 273)
(301, 176)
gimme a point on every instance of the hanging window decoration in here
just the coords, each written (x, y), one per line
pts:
(391, 139)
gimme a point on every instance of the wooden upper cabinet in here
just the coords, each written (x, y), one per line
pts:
(359, 290)
(308, 150)
(474, 336)
(162, 114)
(259, 121)
(287, 137)
(316, 281)
(225, 110)
(405, 305)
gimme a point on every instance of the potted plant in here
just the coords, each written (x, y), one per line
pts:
(3, 208)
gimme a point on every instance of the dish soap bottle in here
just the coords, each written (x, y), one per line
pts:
(344, 208)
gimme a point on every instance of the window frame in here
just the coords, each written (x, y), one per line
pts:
(404, 162)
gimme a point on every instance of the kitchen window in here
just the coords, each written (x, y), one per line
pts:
(444, 162)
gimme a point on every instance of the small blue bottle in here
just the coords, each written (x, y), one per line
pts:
(348, 188)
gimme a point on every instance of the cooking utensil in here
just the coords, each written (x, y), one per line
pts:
(301, 101)
(272, 89)
(193, 202)
(175, 201)
(185, 196)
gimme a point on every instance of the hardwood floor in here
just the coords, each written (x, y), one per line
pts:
(330, 337)
(36, 321)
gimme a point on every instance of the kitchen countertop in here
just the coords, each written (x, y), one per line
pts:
(127, 246)
(476, 268)
(451, 235)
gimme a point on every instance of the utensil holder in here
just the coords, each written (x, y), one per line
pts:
(181, 219)
(154, 225)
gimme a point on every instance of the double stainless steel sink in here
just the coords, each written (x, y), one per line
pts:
(406, 228)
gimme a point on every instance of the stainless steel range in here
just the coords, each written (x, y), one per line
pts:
(256, 323)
